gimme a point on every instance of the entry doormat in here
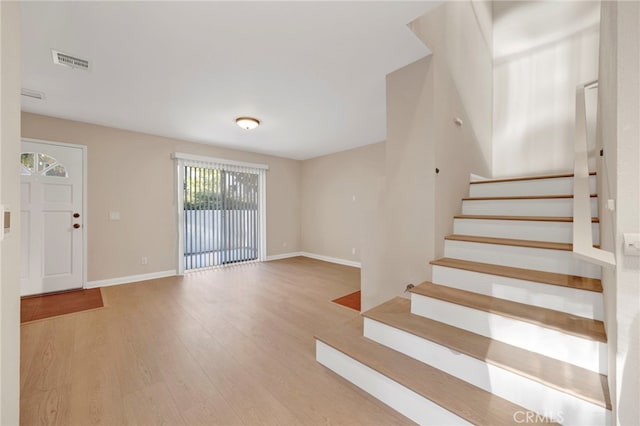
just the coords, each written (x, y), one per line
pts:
(350, 300)
(50, 305)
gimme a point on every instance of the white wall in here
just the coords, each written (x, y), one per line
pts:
(619, 136)
(543, 51)
(10, 191)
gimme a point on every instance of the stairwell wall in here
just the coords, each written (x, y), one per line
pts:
(460, 37)
(542, 51)
(416, 204)
(399, 238)
(619, 179)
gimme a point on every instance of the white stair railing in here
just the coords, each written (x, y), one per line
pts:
(582, 237)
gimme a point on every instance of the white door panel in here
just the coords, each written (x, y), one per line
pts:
(56, 193)
(25, 192)
(53, 216)
(58, 244)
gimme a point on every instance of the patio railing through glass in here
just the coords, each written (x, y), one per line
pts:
(221, 217)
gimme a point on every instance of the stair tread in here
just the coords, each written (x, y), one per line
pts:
(457, 396)
(521, 218)
(571, 281)
(560, 321)
(521, 197)
(568, 378)
(515, 179)
(512, 242)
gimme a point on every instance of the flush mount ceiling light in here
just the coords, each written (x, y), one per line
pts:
(247, 123)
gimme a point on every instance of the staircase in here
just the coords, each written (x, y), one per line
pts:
(510, 330)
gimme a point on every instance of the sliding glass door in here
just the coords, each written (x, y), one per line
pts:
(222, 215)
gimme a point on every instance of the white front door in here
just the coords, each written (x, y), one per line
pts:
(52, 217)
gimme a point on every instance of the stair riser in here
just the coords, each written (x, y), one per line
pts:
(582, 303)
(585, 353)
(398, 397)
(557, 186)
(559, 261)
(525, 207)
(557, 232)
(513, 387)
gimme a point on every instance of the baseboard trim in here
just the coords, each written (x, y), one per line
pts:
(345, 262)
(130, 279)
(330, 259)
(284, 255)
(172, 272)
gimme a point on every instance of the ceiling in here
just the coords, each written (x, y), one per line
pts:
(312, 72)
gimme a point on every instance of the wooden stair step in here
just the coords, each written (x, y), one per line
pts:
(565, 377)
(521, 197)
(566, 323)
(522, 218)
(511, 242)
(516, 179)
(571, 281)
(457, 396)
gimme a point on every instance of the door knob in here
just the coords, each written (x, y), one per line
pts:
(76, 225)
(76, 215)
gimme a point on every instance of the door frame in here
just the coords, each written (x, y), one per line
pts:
(85, 222)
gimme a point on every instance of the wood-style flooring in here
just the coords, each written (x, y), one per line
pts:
(232, 346)
(353, 300)
(33, 308)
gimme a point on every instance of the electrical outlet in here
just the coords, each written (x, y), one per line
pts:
(144, 260)
(353, 250)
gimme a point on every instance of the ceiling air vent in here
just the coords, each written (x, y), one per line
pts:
(69, 61)
(32, 94)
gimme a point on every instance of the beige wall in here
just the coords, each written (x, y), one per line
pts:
(337, 192)
(460, 37)
(132, 173)
(534, 95)
(415, 207)
(10, 191)
(459, 34)
(398, 240)
(618, 135)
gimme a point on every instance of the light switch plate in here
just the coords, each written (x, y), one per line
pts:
(114, 215)
(631, 244)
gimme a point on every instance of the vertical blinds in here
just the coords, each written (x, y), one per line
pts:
(223, 213)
